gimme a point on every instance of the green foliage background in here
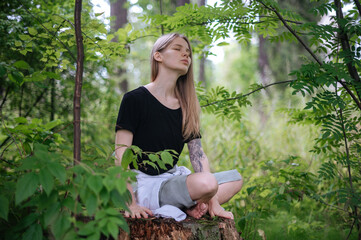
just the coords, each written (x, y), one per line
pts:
(297, 144)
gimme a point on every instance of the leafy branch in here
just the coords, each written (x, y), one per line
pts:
(51, 33)
(346, 45)
(358, 5)
(247, 94)
(309, 50)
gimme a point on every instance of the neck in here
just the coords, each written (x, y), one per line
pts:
(165, 83)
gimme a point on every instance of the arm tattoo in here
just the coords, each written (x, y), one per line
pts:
(196, 154)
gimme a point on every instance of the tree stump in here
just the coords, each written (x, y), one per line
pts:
(189, 229)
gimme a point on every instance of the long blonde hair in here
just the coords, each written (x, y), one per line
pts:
(185, 90)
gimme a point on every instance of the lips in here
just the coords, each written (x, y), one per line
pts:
(185, 61)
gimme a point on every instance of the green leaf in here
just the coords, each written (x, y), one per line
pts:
(108, 183)
(99, 14)
(4, 207)
(151, 164)
(250, 189)
(121, 185)
(104, 196)
(22, 65)
(61, 225)
(87, 229)
(101, 214)
(124, 225)
(52, 75)
(222, 44)
(94, 182)
(128, 157)
(113, 229)
(162, 165)
(32, 31)
(24, 37)
(51, 214)
(71, 234)
(265, 193)
(21, 120)
(153, 157)
(91, 204)
(52, 124)
(27, 148)
(16, 77)
(34, 232)
(36, 77)
(117, 199)
(112, 212)
(29, 219)
(167, 158)
(46, 180)
(58, 171)
(18, 43)
(25, 187)
(95, 236)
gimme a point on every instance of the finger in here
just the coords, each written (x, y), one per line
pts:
(144, 214)
(148, 211)
(126, 214)
(137, 215)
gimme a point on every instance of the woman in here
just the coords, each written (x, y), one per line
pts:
(164, 114)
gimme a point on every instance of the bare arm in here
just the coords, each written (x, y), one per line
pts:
(197, 156)
(124, 139)
(200, 163)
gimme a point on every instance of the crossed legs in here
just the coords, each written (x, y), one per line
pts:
(209, 195)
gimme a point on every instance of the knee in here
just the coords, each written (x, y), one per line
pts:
(202, 185)
(208, 184)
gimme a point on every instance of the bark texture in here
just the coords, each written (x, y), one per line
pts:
(119, 14)
(78, 80)
(189, 229)
(182, 2)
(202, 62)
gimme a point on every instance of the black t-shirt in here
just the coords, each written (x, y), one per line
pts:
(155, 127)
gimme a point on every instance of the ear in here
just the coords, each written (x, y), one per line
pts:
(157, 56)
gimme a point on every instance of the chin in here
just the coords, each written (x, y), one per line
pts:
(183, 72)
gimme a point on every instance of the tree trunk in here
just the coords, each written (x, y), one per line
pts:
(52, 100)
(201, 2)
(263, 63)
(202, 63)
(265, 75)
(345, 43)
(189, 229)
(78, 80)
(182, 2)
(120, 15)
(21, 100)
(202, 75)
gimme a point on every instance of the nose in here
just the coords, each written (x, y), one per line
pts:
(185, 53)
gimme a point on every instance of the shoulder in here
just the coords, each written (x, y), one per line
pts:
(137, 95)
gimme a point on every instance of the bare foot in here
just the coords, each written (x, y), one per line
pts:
(216, 210)
(198, 210)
